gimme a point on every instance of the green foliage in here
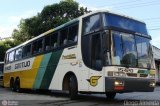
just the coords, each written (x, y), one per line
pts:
(4, 46)
(50, 17)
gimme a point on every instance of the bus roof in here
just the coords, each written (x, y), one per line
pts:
(110, 12)
(70, 22)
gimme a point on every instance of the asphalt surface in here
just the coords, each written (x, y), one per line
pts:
(48, 98)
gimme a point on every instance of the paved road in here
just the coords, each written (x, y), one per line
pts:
(35, 98)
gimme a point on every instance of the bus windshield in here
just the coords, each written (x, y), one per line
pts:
(124, 23)
(131, 50)
(144, 52)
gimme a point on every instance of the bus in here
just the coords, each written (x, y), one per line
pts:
(99, 52)
(1, 73)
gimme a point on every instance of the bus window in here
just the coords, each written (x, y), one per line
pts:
(18, 54)
(1, 68)
(54, 41)
(34, 48)
(37, 46)
(73, 34)
(27, 51)
(40, 45)
(96, 60)
(117, 48)
(129, 50)
(91, 23)
(6, 58)
(86, 50)
(143, 52)
(11, 56)
(63, 37)
(47, 45)
(124, 49)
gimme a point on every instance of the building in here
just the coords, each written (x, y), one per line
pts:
(7, 38)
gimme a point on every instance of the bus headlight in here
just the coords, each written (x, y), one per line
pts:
(152, 84)
(119, 83)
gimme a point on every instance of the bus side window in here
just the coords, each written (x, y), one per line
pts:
(6, 58)
(63, 37)
(47, 45)
(54, 40)
(1, 70)
(18, 54)
(73, 34)
(85, 43)
(40, 45)
(11, 56)
(96, 58)
(37, 46)
(27, 50)
(34, 47)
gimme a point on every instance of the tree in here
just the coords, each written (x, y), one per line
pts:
(4, 46)
(50, 17)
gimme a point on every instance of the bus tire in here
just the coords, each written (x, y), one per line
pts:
(12, 84)
(73, 87)
(110, 95)
(17, 85)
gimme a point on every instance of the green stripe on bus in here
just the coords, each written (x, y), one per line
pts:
(41, 70)
(52, 65)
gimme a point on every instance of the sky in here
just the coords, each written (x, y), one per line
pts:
(12, 11)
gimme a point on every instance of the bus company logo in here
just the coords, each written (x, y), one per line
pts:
(93, 80)
(127, 70)
(22, 65)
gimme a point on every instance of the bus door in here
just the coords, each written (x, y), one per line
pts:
(96, 73)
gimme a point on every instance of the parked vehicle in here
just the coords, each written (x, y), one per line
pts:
(1, 73)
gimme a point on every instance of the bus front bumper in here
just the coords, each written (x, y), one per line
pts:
(117, 84)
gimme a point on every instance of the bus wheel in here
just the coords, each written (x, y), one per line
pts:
(73, 87)
(12, 84)
(17, 85)
(110, 95)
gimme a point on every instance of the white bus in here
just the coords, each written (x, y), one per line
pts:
(100, 52)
